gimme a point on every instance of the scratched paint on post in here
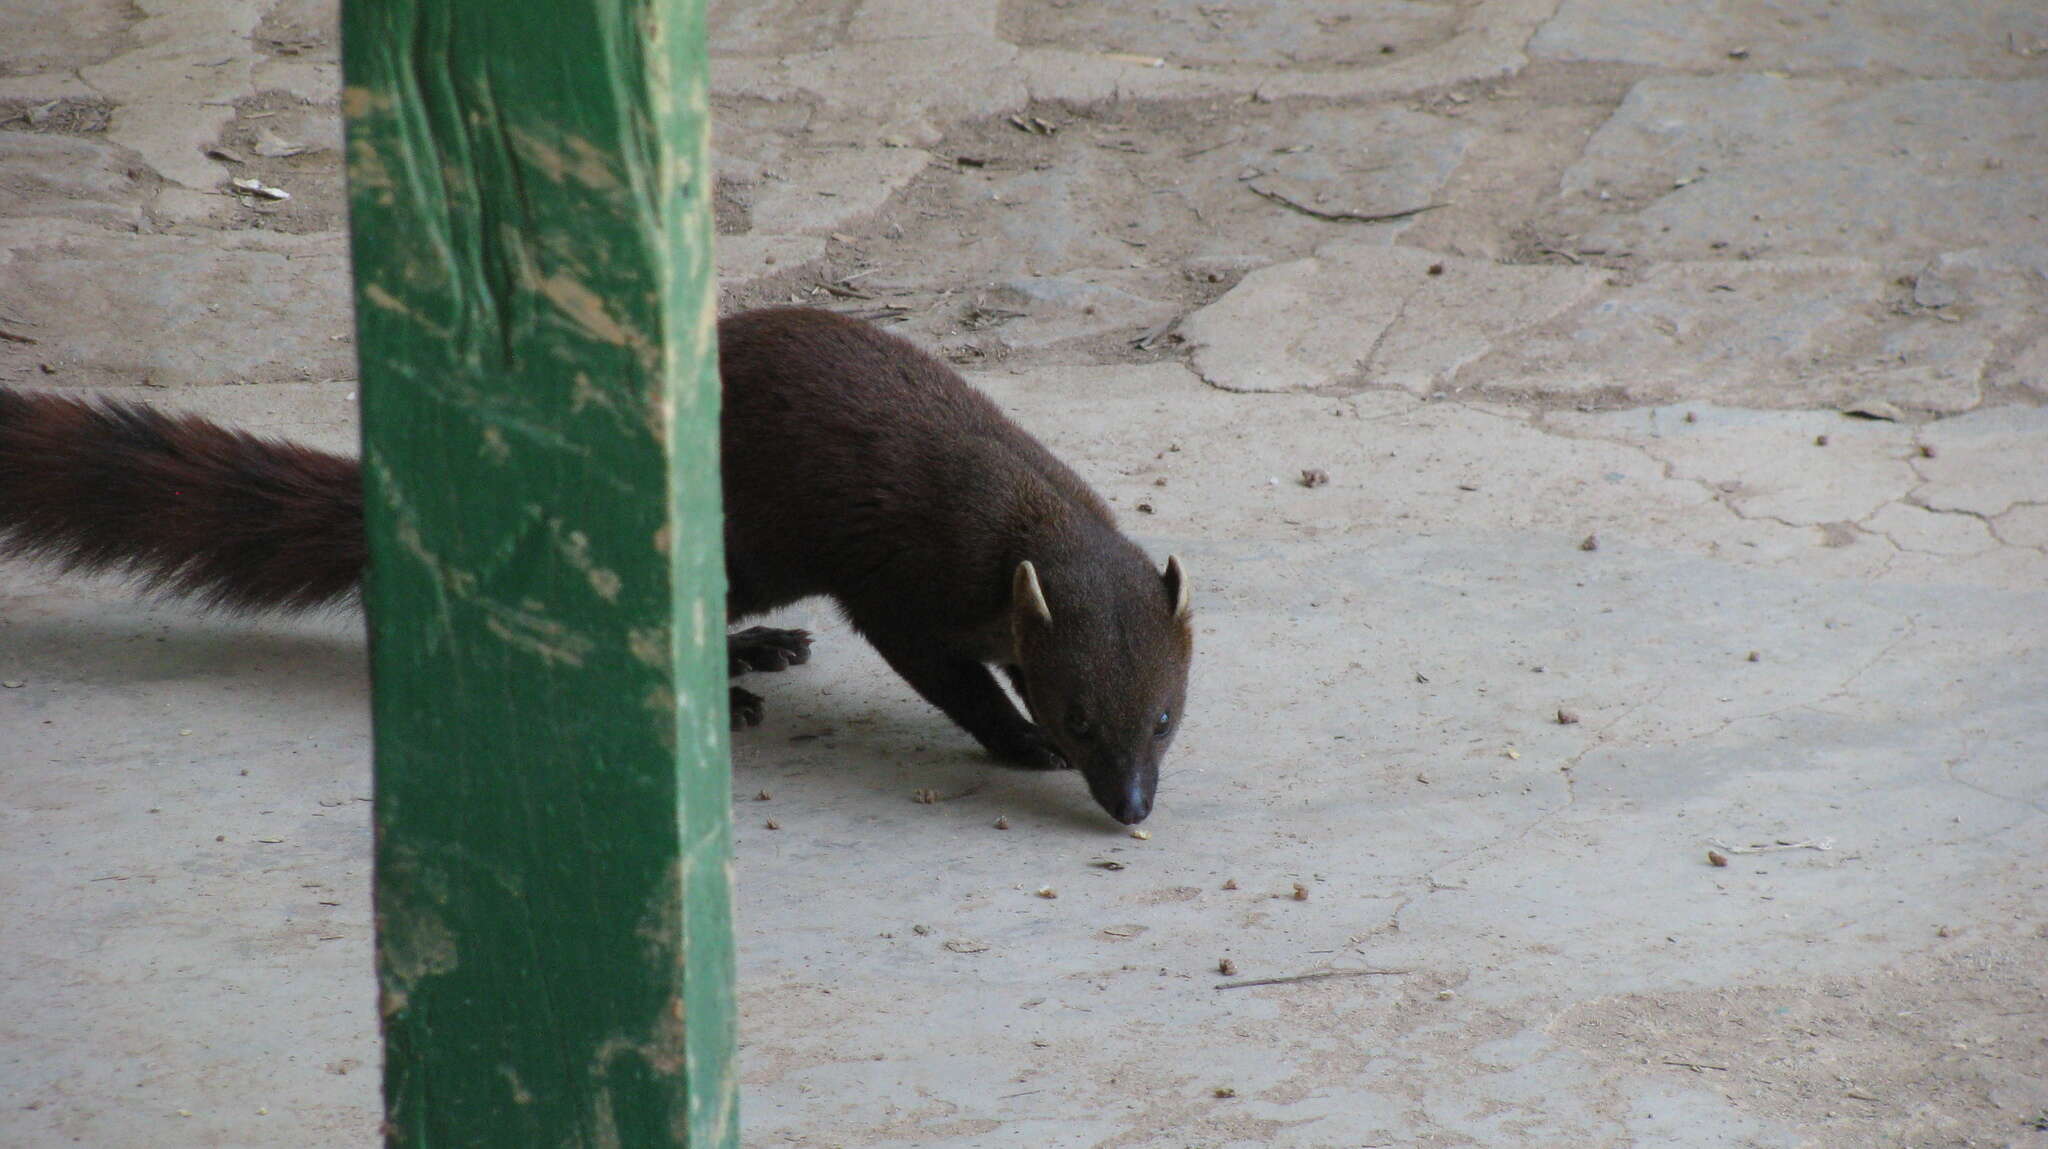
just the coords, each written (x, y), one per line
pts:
(535, 320)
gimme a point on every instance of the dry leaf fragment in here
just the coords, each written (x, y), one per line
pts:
(259, 189)
(1880, 409)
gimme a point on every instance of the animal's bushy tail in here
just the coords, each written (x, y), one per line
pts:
(183, 506)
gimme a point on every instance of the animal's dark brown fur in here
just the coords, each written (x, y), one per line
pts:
(854, 466)
(180, 504)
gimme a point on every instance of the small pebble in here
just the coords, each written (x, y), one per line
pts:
(1591, 543)
(1227, 968)
(1756, 656)
(1820, 440)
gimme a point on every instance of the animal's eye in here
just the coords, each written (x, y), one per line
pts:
(1164, 724)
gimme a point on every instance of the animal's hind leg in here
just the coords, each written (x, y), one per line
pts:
(766, 648)
(746, 708)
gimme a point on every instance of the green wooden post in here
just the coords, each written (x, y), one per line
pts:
(530, 192)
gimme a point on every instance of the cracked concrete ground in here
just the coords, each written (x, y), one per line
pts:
(1688, 490)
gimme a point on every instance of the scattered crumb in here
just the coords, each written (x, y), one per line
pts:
(924, 797)
(1591, 543)
(1716, 858)
(1002, 822)
(1514, 754)
(1820, 440)
(1300, 892)
(1227, 968)
(1436, 269)
(771, 824)
(1142, 835)
(1230, 883)
(1048, 892)
(1225, 1092)
(1926, 450)
(1145, 508)
(763, 796)
(1692, 416)
(1756, 656)
(1446, 994)
(921, 931)
(1567, 717)
(1314, 477)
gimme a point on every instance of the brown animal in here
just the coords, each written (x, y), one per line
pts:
(854, 466)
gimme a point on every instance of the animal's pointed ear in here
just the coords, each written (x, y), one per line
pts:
(1027, 601)
(1177, 588)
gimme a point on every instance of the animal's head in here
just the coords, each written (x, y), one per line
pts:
(1104, 670)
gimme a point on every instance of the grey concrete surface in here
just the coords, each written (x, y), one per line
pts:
(1688, 490)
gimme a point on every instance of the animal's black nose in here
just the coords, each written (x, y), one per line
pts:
(1132, 806)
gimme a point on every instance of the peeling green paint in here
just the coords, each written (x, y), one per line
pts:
(529, 198)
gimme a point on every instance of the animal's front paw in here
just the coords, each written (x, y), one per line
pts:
(746, 706)
(766, 648)
(1027, 748)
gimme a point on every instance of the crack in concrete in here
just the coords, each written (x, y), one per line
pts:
(1948, 769)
